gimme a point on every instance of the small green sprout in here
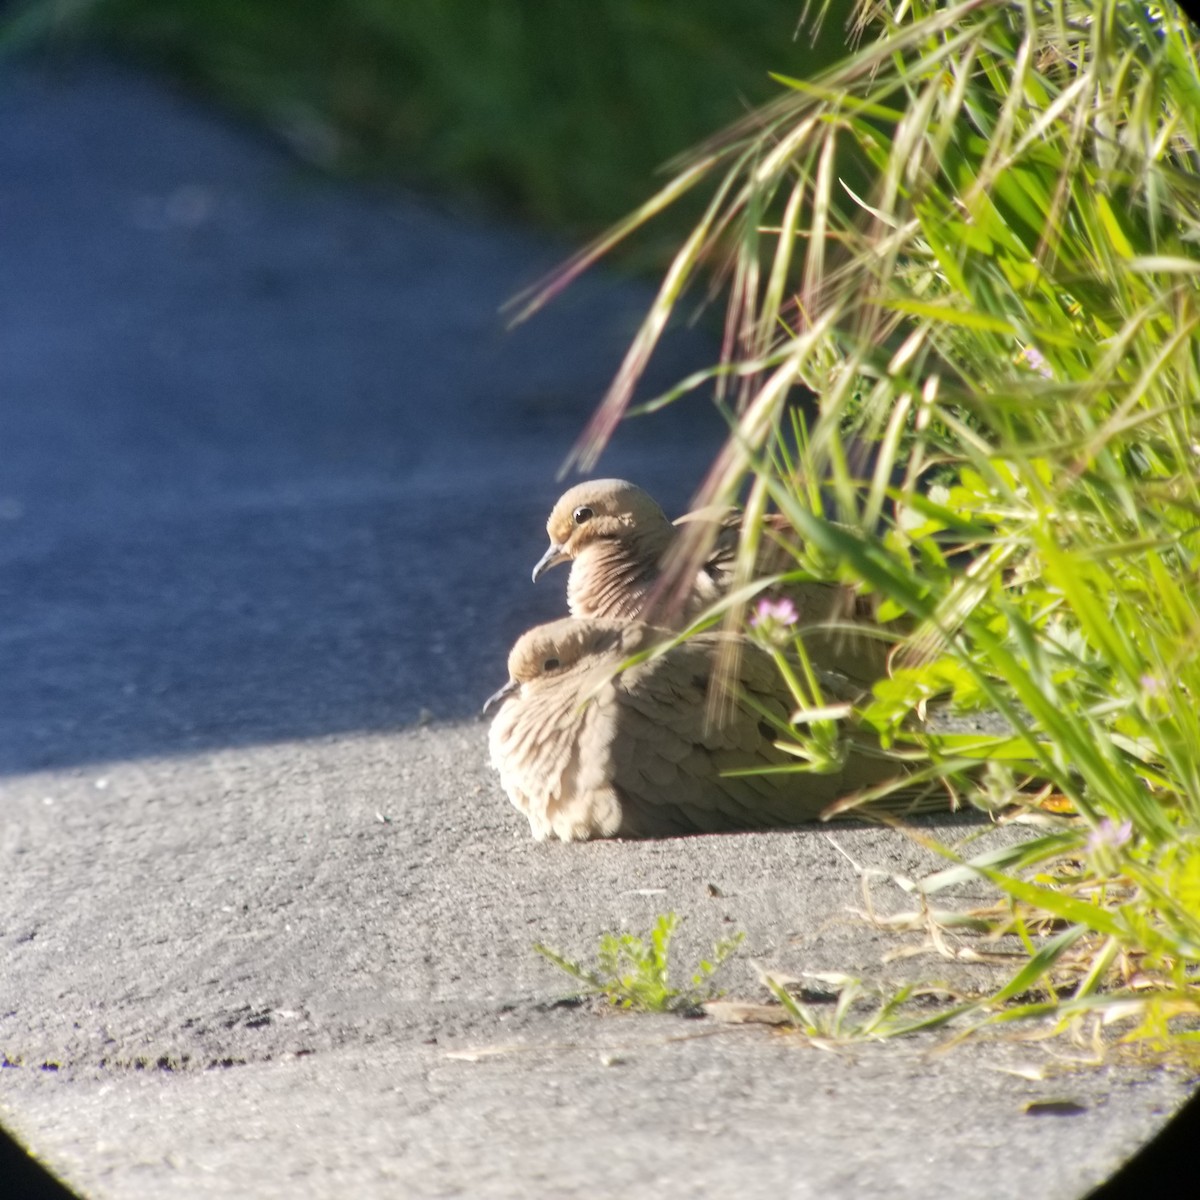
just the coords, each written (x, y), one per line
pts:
(632, 972)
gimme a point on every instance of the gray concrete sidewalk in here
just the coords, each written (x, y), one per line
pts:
(272, 478)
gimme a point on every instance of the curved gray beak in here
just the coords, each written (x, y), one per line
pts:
(554, 555)
(499, 697)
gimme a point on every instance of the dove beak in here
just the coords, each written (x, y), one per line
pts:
(499, 697)
(555, 554)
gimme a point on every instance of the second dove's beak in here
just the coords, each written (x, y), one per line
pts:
(499, 697)
(553, 556)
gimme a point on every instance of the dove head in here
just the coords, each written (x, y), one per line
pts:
(554, 649)
(604, 510)
(549, 652)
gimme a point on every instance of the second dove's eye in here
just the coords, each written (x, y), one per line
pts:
(550, 664)
(582, 515)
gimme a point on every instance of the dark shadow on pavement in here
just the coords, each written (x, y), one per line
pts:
(270, 464)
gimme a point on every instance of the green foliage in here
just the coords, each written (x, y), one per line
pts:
(560, 112)
(975, 239)
(860, 1013)
(632, 972)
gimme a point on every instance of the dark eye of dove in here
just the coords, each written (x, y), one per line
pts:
(582, 515)
(551, 664)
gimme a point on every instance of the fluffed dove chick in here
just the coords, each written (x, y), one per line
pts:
(584, 752)
(617, 540)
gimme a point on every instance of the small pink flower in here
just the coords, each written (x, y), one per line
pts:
(774, 612)
(1153, 685)
(1037, 361)
(1107, 836)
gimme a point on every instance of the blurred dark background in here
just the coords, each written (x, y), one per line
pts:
(552, 111)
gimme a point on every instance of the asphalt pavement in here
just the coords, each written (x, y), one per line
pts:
(273, 475)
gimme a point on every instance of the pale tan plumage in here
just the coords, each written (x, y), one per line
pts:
(618, 541)
(587, 753)
(615, 537)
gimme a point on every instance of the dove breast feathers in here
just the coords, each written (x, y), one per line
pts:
(587, 750)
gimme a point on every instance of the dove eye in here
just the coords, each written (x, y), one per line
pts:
(550, 664)
(582, 515)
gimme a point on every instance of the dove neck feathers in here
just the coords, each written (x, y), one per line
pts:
(611, 577)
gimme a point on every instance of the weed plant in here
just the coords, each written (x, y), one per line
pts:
(633, 972)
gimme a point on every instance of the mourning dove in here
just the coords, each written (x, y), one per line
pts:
(618, 540)
(585, 752)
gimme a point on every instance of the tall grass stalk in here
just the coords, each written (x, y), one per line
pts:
(977, 240)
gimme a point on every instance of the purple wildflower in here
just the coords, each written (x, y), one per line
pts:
(1153, 685)
(1107, 836)
(1037, 361)
(774, 612)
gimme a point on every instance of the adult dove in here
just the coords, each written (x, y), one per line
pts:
(618, 540)
(585, 752)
